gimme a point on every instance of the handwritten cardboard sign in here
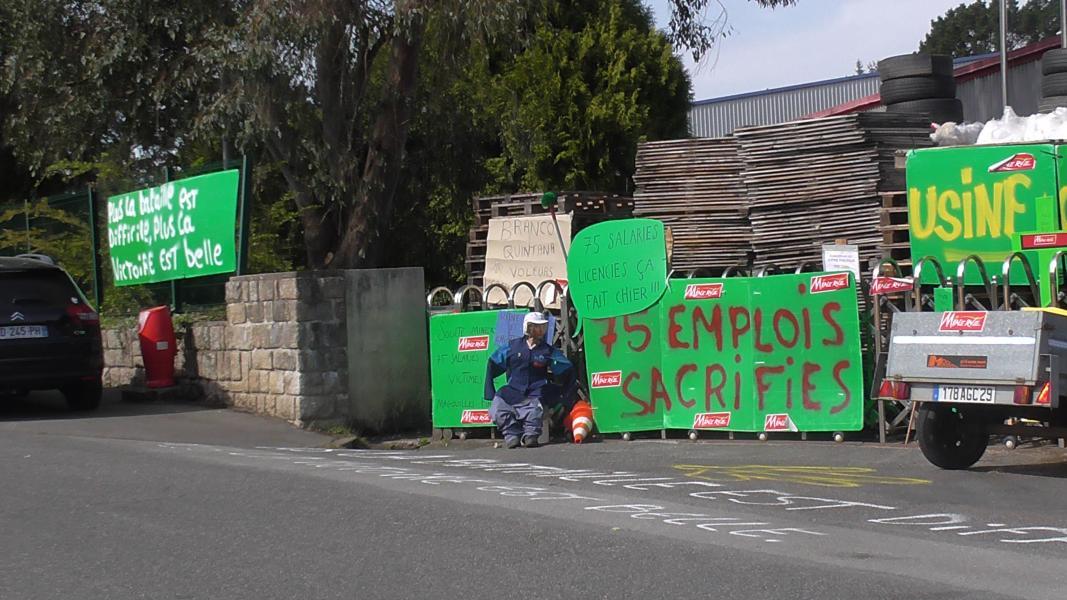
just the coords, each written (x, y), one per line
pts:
(763, 347)
(527, 249)
(181, 229)
(617, 268)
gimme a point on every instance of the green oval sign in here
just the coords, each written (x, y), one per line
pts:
(617, 267)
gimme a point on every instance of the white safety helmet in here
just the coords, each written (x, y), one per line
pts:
(533, 318)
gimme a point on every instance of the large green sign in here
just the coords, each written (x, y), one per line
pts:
(460, 345)
(779, 353)
(617, 267)
(970, 200)
(180, 229)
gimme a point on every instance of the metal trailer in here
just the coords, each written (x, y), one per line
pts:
(977, 373)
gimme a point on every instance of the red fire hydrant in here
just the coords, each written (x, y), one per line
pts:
(158, 346)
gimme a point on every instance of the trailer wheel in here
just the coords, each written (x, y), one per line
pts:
(948, 438)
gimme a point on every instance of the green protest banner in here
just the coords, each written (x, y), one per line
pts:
(181, 229)
(970, 200)
(460, 345)
(617, 268)
(778, 353)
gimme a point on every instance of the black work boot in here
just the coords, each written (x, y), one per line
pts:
(511, 442)
(530, 441)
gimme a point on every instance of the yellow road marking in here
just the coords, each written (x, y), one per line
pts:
(841, 477)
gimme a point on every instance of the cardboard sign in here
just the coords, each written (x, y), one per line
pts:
(617, 268)
(181, 229)
(770, 352)
(841, 257)
(527, 249)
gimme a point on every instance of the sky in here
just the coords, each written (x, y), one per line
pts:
(810, 41)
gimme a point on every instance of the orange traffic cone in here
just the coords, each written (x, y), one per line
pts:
(580, 421)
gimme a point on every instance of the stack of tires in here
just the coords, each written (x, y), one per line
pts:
(920, 83)
(1053, 80)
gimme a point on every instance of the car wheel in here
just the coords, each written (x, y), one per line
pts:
(1054, 61)
(949, 438)
(905, 89)
(84, 396)
(939, 109)
(915, 65)
(1054, 84)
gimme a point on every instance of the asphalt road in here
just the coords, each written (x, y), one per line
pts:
(175, 502)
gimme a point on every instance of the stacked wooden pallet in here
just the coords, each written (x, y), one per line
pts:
(812, 182)
(893, 226)
(585, 209)
(694, 186)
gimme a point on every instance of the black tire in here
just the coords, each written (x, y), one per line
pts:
(84, 395)
(949, 438)
(905, 89)
(914, 65)
(1052, 103)
(1054, 61)
(939, 110)
(1054, 84)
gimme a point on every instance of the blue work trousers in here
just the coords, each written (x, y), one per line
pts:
(517, 420)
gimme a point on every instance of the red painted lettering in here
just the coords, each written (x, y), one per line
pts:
(714, 326)
(638, 328)
(784, 314)
(711, 389)
(841, 366)
(806, 387)
(678, 377)
(659, 391)
(762, 386)
(645, 408)
(609, 338)
(828, 314)
(673, 328)
(736, 312)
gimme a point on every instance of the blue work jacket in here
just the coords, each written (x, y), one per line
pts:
(527, 369)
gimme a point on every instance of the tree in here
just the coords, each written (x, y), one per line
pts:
(594, 80)
(974, 28)
(328, 89)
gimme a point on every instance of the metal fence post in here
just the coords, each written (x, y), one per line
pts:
(244, 215)
(98, 293)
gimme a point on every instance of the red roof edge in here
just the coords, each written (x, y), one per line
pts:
(962, 73)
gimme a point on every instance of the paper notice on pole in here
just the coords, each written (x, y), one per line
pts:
(526, 249)
(841, 257)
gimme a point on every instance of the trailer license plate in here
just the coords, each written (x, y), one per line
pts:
(18, 332)
(963, 393)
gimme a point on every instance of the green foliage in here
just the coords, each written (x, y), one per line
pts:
(595, 79)
(974, 28)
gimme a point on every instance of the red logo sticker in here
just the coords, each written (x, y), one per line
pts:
(829, 283)
(967, 320)
(703, 291)
(779, 422)
(711, 420)
(607, 379)
(890, 285)
(475, 417)
(1017, 162)
(474, 343)
(1044, 240)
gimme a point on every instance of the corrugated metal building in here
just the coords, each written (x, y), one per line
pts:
(977, 87)
(720, 116)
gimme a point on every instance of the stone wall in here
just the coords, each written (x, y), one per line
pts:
(282, 350)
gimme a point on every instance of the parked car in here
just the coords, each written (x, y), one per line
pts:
(49, 334)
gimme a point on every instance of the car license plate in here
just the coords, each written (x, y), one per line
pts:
(963, 393)
(22, 332)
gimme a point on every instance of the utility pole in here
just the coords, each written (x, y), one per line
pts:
(1004, 52)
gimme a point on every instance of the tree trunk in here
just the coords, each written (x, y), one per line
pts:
(371, 209)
